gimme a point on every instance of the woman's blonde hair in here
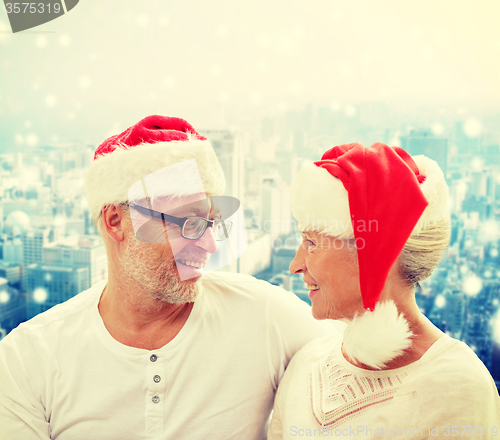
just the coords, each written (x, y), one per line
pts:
(423, 251)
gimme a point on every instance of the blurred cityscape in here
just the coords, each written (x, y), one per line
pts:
(50, 251)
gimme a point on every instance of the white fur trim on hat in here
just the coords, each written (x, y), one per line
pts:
(435, 191)
(320, 202)
(375, 338)
(110, 177)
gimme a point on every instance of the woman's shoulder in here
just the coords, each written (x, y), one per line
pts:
(451, 365)
(449, 354)
(451, 377)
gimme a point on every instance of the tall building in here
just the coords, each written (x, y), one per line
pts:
(424, 142)
(76, 252)
(228, 148)
(275, 210)
(257, 257)
(467, 145)
(12, 307)
(57, 271)
(13, 251)
(33, 242)
(11, 272)
(454, 312)
(49, 285)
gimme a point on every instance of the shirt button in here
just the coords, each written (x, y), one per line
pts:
(156, 378)
(153, 358)
(155, 399)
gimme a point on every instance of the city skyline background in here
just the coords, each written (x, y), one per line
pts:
(50, 250)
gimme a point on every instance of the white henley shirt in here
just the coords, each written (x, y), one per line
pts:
(64, 377)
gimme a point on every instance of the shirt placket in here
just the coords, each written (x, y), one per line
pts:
(156, 393)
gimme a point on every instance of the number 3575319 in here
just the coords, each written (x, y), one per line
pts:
(32, 8)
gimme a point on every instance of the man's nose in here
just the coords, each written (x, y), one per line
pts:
(207, 241)
(298, 263)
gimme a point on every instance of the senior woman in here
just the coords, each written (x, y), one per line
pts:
(375, 222)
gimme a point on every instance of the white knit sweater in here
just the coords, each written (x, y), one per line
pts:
(323, 395)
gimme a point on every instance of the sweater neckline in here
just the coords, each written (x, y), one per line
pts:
(432, 352)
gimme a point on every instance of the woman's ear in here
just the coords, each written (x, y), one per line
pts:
(114, 222)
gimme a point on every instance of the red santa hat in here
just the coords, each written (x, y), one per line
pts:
(379, 196)
(154, 142)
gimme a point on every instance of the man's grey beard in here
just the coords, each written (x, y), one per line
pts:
(153, 269)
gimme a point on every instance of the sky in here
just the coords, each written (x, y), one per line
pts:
(106, 64)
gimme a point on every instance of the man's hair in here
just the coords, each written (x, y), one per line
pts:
(423, 251)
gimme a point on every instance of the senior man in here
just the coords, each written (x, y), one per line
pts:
(156, 351)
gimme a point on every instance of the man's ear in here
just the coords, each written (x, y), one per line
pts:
(114, 222)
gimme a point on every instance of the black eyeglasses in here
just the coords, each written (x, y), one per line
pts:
(192, 227)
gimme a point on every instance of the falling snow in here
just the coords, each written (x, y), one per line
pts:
(40, 295)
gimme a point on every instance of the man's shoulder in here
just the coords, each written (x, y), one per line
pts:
(315, 350)
(280, 305)
(251, 295)
(246, 285)
(221, 277)
(322, 346)
(61, 314)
